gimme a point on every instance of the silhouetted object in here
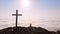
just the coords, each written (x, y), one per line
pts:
(17, 17)
(30, 25)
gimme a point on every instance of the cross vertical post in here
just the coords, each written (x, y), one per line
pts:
(16, 18)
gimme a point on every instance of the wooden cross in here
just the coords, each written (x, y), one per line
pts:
(16, 17)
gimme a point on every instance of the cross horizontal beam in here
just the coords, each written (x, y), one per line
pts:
(17, 14)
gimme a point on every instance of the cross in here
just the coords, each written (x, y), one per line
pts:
(16, 17)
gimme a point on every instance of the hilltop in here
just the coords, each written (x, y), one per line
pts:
(26, 30)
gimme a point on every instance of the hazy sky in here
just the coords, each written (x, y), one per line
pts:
(42, 13)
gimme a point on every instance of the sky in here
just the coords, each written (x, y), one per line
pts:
(39, 13)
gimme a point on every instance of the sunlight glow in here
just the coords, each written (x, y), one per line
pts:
(25, 3)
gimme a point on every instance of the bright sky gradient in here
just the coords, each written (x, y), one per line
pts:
(42, 13)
